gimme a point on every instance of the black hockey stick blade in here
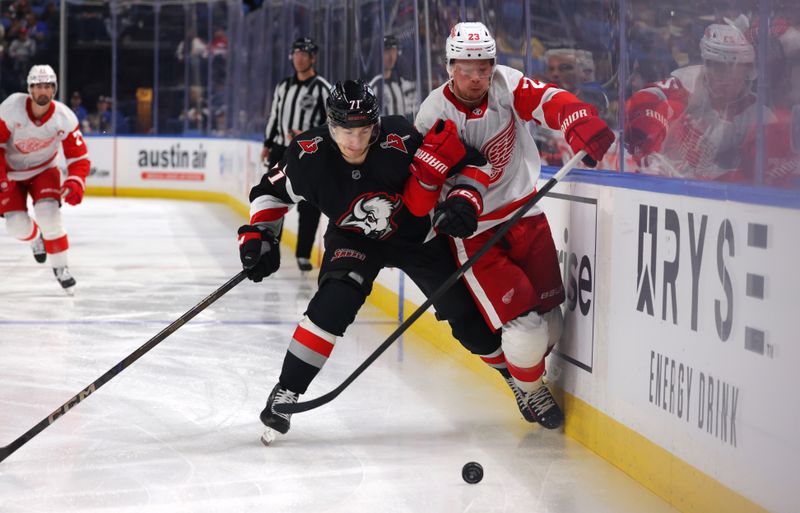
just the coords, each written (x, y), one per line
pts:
(326, 398)
(9, 449)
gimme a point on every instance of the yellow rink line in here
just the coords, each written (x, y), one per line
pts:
(681, 485)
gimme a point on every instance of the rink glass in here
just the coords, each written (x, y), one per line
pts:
(603, 50)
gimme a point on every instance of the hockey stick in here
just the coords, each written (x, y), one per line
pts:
(326, 398)
(9, 449)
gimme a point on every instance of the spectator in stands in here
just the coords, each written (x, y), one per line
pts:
(38, 32)
(76, 104)
(22, 51)
(197, 47)
(50, 17)
(218, 50)
(20, 9)
(219, 44)
(568, 68)
(574, 71)
(100, 120)
(194, 52)
(197, 116)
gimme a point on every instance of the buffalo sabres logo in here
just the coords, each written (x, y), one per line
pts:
(371, 213)
(395, 141)
(309, 146)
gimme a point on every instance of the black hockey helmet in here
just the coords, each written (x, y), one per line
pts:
(390, 41)
(352, 104)
(306, 44)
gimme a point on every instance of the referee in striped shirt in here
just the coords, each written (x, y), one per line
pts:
(399, 94)
(297, 105)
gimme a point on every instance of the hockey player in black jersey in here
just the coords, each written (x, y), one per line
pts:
(376, 179)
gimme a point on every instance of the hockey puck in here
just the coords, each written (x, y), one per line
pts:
(472, 472)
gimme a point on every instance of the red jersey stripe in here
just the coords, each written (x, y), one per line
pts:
(268, 214)
(313, 341)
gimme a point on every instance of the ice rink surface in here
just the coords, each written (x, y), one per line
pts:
(178, 431)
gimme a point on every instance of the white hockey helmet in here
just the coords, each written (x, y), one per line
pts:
(470, 40)
(42, 74)
(726, 43)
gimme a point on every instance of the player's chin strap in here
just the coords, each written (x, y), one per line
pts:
(444, 287)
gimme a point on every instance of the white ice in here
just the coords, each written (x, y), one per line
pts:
(178, 431)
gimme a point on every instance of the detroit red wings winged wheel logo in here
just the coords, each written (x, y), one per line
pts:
(499, 150)
(372, 214)
(309, 146)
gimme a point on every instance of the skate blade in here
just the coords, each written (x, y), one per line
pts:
(269, 436)
(70, 291)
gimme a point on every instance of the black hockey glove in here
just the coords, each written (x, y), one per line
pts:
(457, 215)
(259, 251)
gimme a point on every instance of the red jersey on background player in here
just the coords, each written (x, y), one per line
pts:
(517, 284)
(31, 128)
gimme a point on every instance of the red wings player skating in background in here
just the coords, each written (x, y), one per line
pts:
(32, 126)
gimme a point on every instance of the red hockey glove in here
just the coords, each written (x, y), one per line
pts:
(72, 190)
(441, 150)
(584, 130)
(457, 215)
(646, 124)
(259, 251)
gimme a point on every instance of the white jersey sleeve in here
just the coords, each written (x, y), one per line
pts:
(498, 129)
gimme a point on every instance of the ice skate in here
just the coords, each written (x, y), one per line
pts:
(65, 279)
(276, 422)
(519, 395)
(304, 264)
(37, 246)
(544, 408)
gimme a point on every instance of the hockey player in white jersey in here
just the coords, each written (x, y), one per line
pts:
(701, 121)
(32, 126)
(517, 284)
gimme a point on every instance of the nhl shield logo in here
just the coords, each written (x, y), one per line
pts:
(395, 141)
